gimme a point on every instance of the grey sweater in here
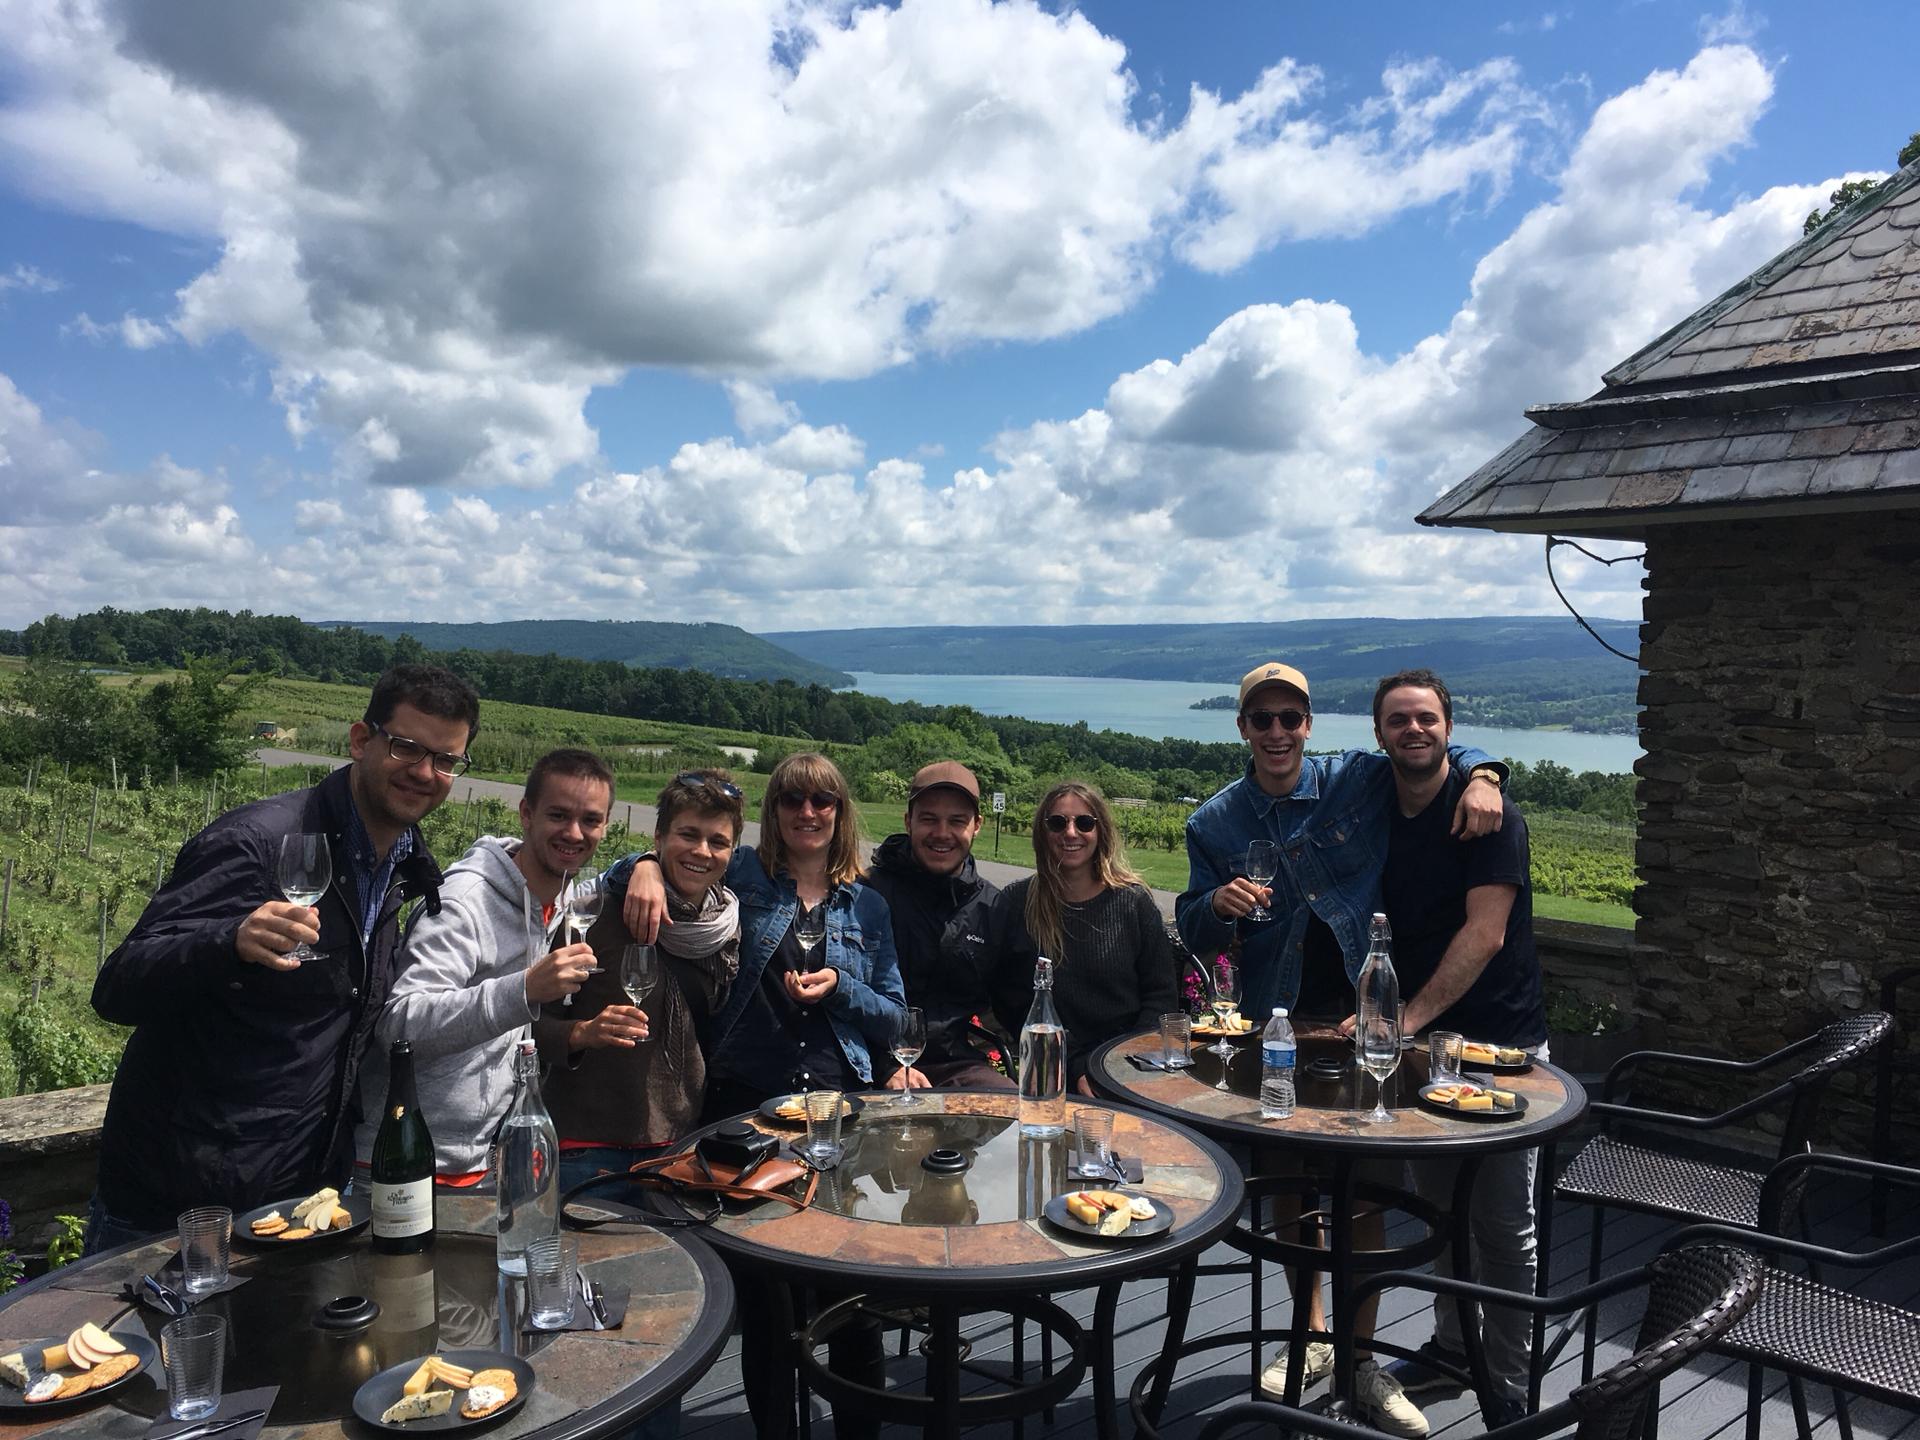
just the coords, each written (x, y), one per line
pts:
(461, 1000)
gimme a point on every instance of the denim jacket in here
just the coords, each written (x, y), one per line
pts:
(1332, 834)
(866, 1007)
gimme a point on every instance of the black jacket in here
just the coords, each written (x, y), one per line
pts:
(940, 932)
(237, 1086)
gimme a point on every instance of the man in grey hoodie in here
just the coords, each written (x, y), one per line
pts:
(474, 977)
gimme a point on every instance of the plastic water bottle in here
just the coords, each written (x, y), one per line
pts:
(1277, 1054)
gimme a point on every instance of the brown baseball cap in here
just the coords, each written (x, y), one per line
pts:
(950, 773)
(1273, 673)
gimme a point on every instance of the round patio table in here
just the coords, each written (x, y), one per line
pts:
(1327, 1125)
(883, 1225)
(589, 1384)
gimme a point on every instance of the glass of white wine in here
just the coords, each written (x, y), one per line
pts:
(1377, 1036)
(909, 1043)
(582, 895)
(1263, 863)
(639, 973)
(1225, 1001)
(809, 929)
(305, 872)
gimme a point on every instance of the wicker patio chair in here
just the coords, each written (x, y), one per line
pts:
(1695, 1296)
(1613, 1173)
(1810, 1330)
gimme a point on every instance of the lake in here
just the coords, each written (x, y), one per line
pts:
(1159, 709)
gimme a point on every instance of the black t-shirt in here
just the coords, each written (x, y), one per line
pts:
(816, 1049)
(1325, 991)
(1425, 889)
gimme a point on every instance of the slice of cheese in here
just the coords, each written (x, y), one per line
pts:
(417, 1407)
(1116, 1221)
(418, 1382)
(13, 1369)
(1502, 1099)
(313, 1202)
(1482, 1101)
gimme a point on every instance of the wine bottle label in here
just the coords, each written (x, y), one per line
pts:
(402, 1209)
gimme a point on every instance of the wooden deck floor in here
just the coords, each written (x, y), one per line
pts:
(1706, 1400)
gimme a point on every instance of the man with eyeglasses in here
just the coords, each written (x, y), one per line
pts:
(1327, 816)
(237, 1085)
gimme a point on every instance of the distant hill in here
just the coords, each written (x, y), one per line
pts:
(1522, 671)
(724, 650)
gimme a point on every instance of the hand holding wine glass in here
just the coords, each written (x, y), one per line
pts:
(639, 973)
(809, 929)
(305, 871)
(1262, 864)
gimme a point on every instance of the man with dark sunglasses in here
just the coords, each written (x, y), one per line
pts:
(1327, 815)
(237, 1086)
(939, 901)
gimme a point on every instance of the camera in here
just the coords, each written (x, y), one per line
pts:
(736, 1146)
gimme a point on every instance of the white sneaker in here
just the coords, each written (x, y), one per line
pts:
(1273, 1379)
(1386, 1403)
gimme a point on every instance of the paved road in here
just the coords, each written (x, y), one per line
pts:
(639, 818)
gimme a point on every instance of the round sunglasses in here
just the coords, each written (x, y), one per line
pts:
(1085, 824)
(1289, 719)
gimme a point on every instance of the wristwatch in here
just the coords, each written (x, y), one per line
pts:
(1486, 772)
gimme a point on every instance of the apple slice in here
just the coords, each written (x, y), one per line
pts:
(99, 1340)
(78, 1355)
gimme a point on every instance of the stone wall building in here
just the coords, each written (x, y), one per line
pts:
(1767, 452)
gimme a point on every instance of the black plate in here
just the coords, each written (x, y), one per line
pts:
(770, 1110)
(360, 1207)
(1497, 1068)
(13, 1401)
(373, 1399)
(1232, 1037)
(1519, 1104)
(1056, 1213)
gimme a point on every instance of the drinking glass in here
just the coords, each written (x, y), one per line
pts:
(551, 1262)
(909, 1044)
(1093, 1142)
(809, 929)
(206, 1234)
(194, 1351)
(305, 872)
(1377, 1035)
(1263, 863)
(639, 972)
(823, 1150)
(1176, 1039)
(585, 896)
(1226, 1001)
(1443, 1055)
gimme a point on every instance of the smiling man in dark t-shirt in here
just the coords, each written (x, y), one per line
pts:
(1462, 916)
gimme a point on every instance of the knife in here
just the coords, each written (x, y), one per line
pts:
(597, 1303)
(215, 1427)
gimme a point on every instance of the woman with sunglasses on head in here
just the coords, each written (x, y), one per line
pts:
(1085, 909)
(626, 1080)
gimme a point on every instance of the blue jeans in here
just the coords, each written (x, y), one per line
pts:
(104, 1231)
(578, 1166)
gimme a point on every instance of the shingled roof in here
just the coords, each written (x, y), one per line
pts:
(1797, 391)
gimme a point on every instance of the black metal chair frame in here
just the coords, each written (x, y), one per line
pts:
(1889, 1062)
(1836, 1049)
(1783, 1181)
(1622, 1403)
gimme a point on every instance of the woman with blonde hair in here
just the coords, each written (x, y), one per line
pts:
(1085, 909)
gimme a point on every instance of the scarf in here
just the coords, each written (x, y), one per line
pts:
(696, 934)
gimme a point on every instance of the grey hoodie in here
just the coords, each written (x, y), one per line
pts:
(461, 999)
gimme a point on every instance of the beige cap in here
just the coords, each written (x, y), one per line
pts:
(1273, 673)
(950, 773)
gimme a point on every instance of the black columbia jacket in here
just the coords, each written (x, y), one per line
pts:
(940, 932)
(237, 1086)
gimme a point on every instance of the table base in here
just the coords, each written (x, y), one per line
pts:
(942, 1410)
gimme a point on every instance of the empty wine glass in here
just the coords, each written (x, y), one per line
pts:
(305, 872)
(809, 929)
(1376, 1035)
(639, 973)
(1263, 863)
(909, 1043)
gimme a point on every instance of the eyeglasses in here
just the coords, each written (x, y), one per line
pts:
(411, 752)
(1289, 719)
(694, 780)
(1085, 824)
(819, 799)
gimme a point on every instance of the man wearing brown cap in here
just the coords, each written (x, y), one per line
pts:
(939, 902)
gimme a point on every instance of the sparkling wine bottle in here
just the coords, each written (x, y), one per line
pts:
(402, 1165)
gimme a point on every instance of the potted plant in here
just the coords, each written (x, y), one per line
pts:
(1587, 1035)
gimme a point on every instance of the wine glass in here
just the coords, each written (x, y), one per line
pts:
(585, 896)
(1376, 1035)
(1226, 1001)
(639, 972)
(809, 929)
(1263, 863)
(909, 1043)
(305, 872)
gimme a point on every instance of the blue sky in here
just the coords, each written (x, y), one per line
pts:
(798, 316)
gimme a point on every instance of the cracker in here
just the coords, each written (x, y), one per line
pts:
(503, 1378)
(108, 1371)
(472, 1411)
(75, 1385)
(301, 1232)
